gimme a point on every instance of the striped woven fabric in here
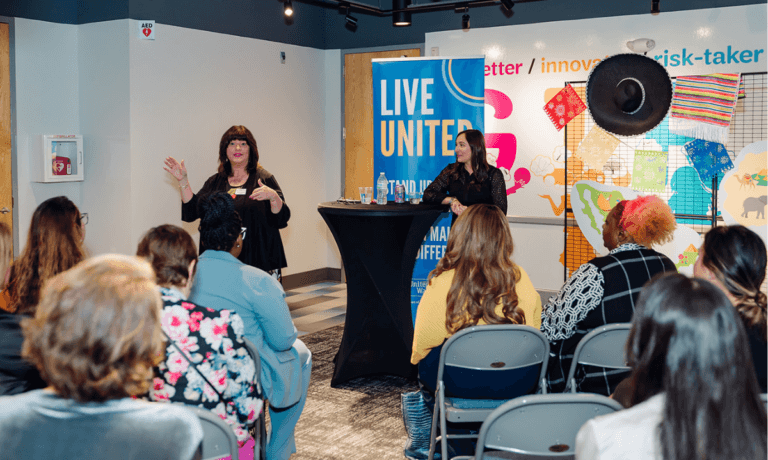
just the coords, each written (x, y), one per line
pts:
(702, 106)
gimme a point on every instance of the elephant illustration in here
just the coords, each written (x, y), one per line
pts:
(755, 204)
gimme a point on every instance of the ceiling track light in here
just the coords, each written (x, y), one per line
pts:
(288, 8)
(655, 7)
(465, 22)
(508, 4)
(400, 17)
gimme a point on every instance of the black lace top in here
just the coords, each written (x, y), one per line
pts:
(454, 180)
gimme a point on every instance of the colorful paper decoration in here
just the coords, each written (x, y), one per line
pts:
(564, 107)
(702, 106)
(709, 158)
(650, 170)
(596, 147)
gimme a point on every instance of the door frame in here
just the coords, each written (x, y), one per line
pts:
(14, 143)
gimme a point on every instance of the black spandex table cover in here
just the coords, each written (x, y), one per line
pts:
(378, 246)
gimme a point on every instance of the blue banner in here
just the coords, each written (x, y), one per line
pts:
(419, 106)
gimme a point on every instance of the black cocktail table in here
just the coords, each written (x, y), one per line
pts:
(378, 246)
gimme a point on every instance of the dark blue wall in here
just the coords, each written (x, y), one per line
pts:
(318, 25)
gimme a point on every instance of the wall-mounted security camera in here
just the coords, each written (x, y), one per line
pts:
(641, 45)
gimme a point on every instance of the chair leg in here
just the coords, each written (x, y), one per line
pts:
(261, 445)
(433, 429)
(443, 427)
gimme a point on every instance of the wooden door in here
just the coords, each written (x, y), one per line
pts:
(6, 193)
(358, 118)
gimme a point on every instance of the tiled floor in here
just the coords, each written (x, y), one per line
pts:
(317, 307)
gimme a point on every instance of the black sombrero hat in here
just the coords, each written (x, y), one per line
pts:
(628, 94)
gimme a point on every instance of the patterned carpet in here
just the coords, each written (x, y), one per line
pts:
(361, 420)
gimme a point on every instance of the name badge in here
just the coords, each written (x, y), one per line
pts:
(240, 191)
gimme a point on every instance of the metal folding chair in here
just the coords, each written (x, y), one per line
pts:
(543, 426)
(480, 368)
(260, 425)
(602, 347)
(218, 438)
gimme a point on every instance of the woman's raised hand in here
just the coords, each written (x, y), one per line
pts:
(177, 170)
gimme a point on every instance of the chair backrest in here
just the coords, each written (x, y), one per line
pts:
(254, 352)
(541, 425)
(602, 347)
(219, 439)
(499, 361)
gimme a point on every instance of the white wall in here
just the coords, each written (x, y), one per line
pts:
(47, 102)
(105, 125)
(333, 140)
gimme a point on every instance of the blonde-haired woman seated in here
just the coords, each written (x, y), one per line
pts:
(476, 282)
(95, 337)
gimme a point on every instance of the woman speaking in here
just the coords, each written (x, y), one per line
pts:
(470, 180)
(258, 199)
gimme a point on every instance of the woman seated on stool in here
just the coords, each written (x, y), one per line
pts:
(206, 361)
(733, 259)
(224, 282)
(605, 289)
(95, 338)
(693, 387)
(476, 282)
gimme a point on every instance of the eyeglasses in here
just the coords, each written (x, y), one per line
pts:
(84, 218)
(242, 231)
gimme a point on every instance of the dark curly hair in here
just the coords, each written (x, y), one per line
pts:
(220, 224)
(239, 133)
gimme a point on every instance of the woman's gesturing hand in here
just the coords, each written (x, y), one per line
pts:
(177, 170)
(263, 193)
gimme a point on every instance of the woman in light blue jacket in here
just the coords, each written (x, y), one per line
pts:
(225, 283)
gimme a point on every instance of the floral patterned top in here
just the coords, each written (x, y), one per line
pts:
(214, 341)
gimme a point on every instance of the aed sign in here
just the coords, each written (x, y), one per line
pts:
(147, 30)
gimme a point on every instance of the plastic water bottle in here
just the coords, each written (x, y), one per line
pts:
(382, 187)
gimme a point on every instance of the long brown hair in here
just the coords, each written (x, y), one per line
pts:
(54, 244)
(480, 251)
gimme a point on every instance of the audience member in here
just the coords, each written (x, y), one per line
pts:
(693, 387)
(604, 290)
(6, 259)
(476, 282)
(54, 244)
(95, 337)
(6, 254)
(734, 259)
(224, 282)
(206, 361)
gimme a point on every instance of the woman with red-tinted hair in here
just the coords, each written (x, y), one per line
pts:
(605, 289)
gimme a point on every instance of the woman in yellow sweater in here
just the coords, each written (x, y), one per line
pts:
(476, 282)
